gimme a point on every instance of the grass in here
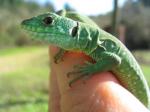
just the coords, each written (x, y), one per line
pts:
(146, 71)
(41, 107)
(24, 79)
(11, 51)
(143, 57)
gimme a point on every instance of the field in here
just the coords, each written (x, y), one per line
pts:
(24, 74)
(143, 57)
(24, 79)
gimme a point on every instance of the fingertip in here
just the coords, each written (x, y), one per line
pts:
(114, 96)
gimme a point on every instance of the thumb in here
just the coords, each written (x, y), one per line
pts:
(100, 93)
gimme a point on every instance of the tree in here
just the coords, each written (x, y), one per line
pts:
(10, 2)
(114, 17)
(68, 7)
(145, 2)
(136, 19)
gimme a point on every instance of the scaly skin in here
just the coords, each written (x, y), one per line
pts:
(77, 17)
(108, 52)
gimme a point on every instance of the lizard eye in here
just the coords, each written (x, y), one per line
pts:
(48, 20)
(74, 31)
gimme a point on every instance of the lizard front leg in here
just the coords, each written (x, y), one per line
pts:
(107, 62)
(59, 56)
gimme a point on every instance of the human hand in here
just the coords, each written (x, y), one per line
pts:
(100, 93)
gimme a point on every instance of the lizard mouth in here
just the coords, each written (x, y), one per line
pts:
(33, 31)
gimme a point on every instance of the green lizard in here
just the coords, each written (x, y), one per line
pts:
(73, 32)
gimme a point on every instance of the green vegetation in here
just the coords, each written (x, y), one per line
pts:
(143, 58)
(41, 107)
(146, 70)
(24, 79)
(12, 12)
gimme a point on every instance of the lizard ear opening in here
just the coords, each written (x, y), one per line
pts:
(48, 20)
(74, 30)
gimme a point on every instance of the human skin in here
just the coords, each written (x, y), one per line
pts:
(100, 93)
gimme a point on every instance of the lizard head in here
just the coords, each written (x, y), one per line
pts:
(54, 29)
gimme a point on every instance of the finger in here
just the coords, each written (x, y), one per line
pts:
(54, 94)
(111, 96)
(101, 93)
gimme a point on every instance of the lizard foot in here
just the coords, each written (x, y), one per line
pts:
(57, 59)
(59, 56)
(82, 71)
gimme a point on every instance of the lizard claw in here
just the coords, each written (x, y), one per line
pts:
(73, 73)
(76, 79)
(57, 60)
(59, 56)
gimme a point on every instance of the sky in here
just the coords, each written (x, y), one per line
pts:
(87, 7)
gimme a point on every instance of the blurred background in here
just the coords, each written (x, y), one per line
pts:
(24, 64)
